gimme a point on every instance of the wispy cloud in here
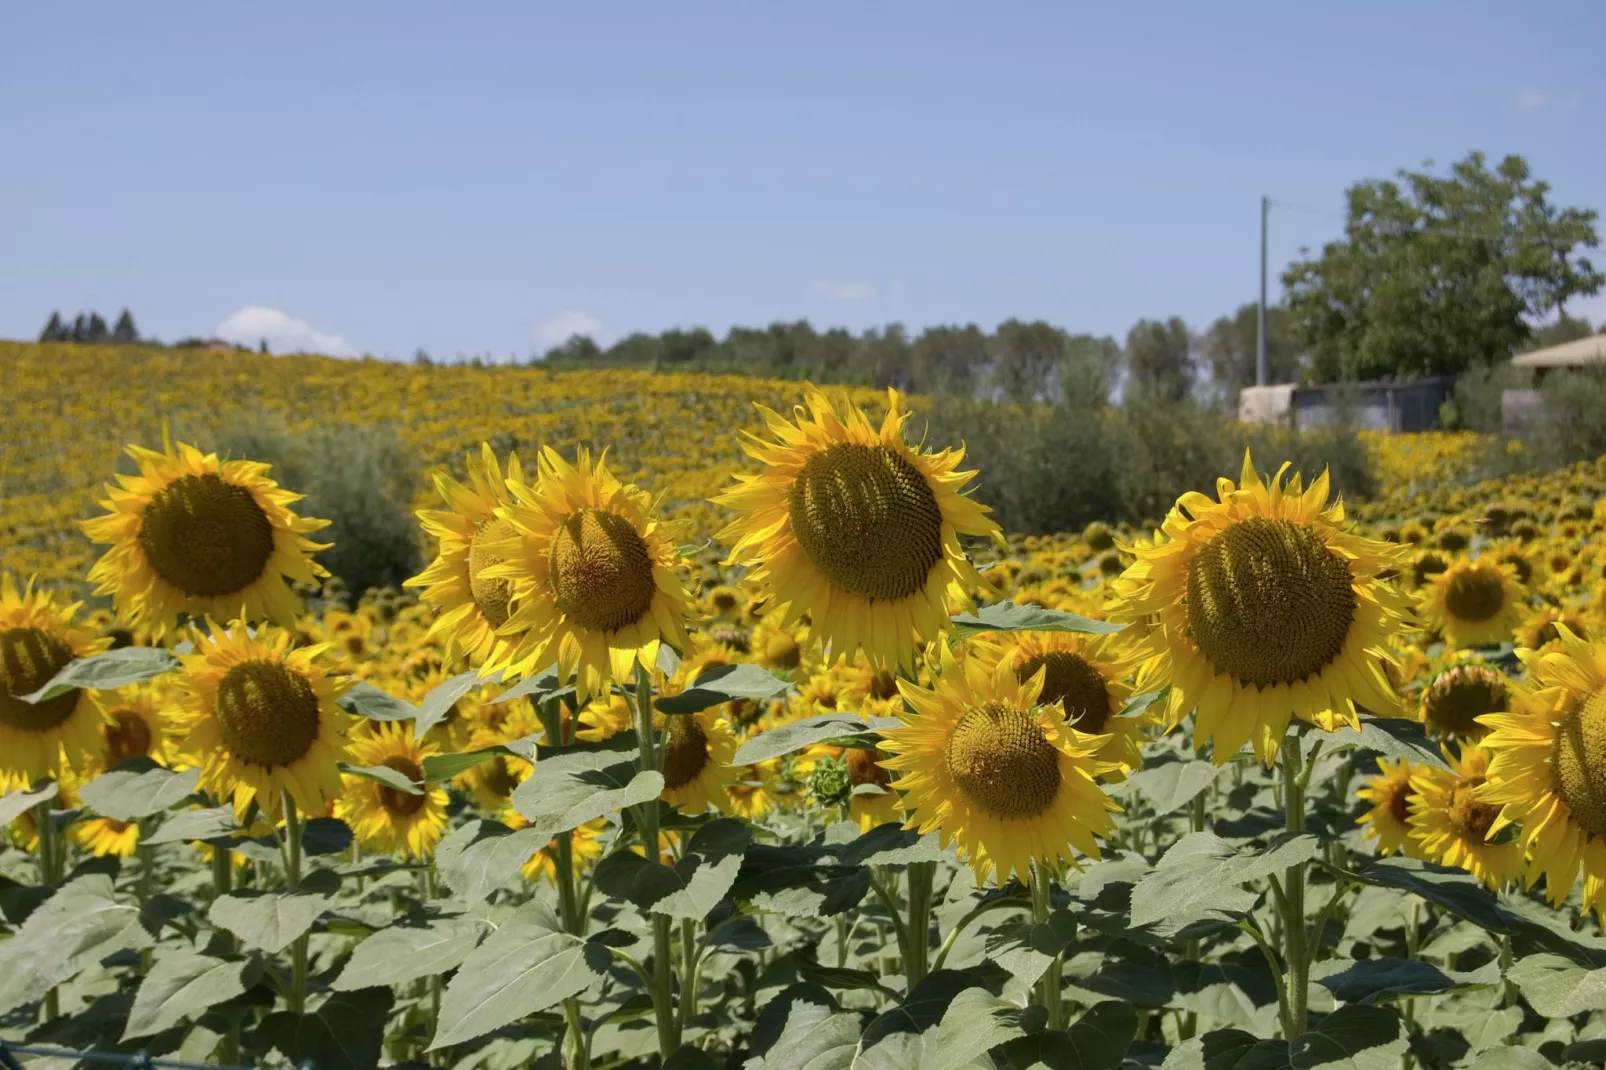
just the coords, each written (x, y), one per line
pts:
(556, 330)
(842, 291)
(1529, 99)
(254, 324)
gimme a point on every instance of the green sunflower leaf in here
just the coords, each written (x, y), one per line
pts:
(482, 855)
(403, 953)
(524, 967)
(1171, 785)
(183, 984)
(1391, 737)
(138, 788)
(186, 825)
(270, 921)
(394, 779)
(13, 804)
(439, 702)
(1369, 980)
(542, 687)
(1202, 876)
(1008, 617)
(438, 767)
(345, 1032)
(807, 732)
(366, 700)
(1558, 988)
(1098, 1041)
(82, 923)
(568, 789)
(722, 683)
(1455, 890)
(108, 670)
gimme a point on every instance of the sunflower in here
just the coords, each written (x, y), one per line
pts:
(138, 724)
(386, 819)
(698, 749)
(592, 575)
(1004, 777)
(872, 802)
(585, 846)
(1544, 773)
(473, 607)
(38, 639)
(262, 719)
(604, 718)
(1260, 607)
(751, 795)
(1389, 819)
(1540, 627)
(1461, 692)
(1452, 820)
(105, 836)
(855, 528)
(194, 535)
(1474, 603)
(1086, 676)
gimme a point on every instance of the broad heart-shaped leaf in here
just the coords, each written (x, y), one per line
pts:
(344, 1032)
(325, 836)
(103, 672)
(82, 923)
(1026, 948)
(186, 825)
(523, 967)
(438, 767)
(1202, 876)
(270, 921)
(798, 881)
(1455, 890)
(403, 953)
(1355, 1037)
(366, 700)
(806, 733)
(567, 790)
(802, 1027)
(1391, 737)
(442, 698)
(888, 844)
(1008, 617)
(538, 689)
(183, 984)
(1171, 785)
(482, 855)
(1557, 988)
(689, 889)
(1367, 980)
(1098, 1041)
(972, 1023)
(1544, 928)
(723, 683)
(137, 788)
(13, 804)
(394, 779)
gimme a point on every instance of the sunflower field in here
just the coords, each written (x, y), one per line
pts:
(723, 727)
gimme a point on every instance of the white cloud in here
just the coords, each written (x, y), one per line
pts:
(558, 329)
(284, 333)
(842, 291)
(1529, 99)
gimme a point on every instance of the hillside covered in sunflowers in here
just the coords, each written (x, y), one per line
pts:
(723, 725)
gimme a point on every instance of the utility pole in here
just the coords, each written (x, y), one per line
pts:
(1260, 313)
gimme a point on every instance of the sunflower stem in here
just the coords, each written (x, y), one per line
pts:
(1050, 986)
(921, 876)
(52, 865)
(663, 995)
(574, 923)
(689, 961)
(292, 835)
(1295, 954)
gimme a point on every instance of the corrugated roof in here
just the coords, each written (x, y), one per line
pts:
(1572, 354)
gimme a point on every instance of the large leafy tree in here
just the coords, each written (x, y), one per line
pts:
(1436, 273)
(1228, 348)
(1159, 359)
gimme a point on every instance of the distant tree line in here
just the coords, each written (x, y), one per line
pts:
(91, 328)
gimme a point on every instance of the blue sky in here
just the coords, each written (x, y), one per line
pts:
(487, 177)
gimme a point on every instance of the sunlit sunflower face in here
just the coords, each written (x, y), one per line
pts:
(474, 607)
(387, 819)
(1259, 607)
(1084, 676)
(593, 575)
(262, 719)
(193, 535)
(996, 772)
(1577, 757)
(37, 640)
(1453, 821)
(1455, 698)
(697, 753)
(1389, 819)
(853, 527)
(1474, 603)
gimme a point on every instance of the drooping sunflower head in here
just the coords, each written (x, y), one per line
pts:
(984, 762)
(697, 752)
(1389, 819)
(1259, 606)
(38, 638)
(1463, 690)
(1085, 676)
(593, 574)
(473, 607)
(1544, 771)
(386, 819)
(262, 719)
(849, 524)
(1456, 825)
(192, 535)
(1474, 603)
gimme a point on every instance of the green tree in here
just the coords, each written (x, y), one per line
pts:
(1025, 357)
(1228, 348)
(1565, 329)
(1436, 273)
(1159, 359)
(55, 330)
(1087, 374)
(124, 332)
